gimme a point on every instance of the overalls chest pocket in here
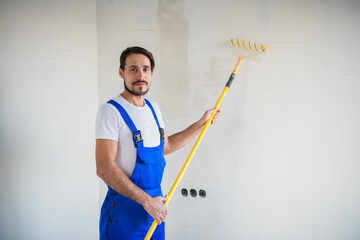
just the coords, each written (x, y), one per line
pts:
(150, 164)
(151, 156)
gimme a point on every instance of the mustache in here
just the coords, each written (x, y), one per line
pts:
(139, 81)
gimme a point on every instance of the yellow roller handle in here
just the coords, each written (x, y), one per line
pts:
(237, 66)
(193, 150)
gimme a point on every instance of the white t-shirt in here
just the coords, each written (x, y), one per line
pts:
(111, 125)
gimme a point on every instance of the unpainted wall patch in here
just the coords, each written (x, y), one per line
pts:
(173, 32)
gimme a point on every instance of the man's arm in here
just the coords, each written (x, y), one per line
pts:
(113, 176)
(178, 140)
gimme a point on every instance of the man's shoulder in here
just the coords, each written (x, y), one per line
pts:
(107, 106)
(153, 103)
(107, 109)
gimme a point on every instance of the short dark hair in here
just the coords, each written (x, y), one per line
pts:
(136, 50)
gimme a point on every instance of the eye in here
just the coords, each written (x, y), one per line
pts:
(133, 69)
(146, 69)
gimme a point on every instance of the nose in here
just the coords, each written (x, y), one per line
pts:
(141, 75)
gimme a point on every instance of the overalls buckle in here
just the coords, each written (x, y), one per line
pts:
(137, 137)
(161, 130)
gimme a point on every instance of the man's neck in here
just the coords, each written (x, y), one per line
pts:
(133, 99)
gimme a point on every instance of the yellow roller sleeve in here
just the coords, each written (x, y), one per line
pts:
(257, 47)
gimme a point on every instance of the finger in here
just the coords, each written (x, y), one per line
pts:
(216, 113)
(163, 199)
(213, 109)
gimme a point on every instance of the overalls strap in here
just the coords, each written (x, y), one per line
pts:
(161, 130)
(136, 133)
(153, 112)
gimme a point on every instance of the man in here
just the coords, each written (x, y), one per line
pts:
(130, 147)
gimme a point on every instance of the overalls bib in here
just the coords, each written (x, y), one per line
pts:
(122, 218)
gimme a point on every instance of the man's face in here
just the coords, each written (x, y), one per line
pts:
(137, 74)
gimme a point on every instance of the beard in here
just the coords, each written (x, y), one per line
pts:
(136, 93)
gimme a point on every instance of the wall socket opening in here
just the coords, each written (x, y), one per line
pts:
(193, 192)
(202, 193)
(184, 192)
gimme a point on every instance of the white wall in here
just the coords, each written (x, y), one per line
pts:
(48, 102)
(283, 161)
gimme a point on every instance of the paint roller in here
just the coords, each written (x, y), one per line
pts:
(257, 47)
(238, 44)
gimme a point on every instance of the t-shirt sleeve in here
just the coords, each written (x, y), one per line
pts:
(107, 123)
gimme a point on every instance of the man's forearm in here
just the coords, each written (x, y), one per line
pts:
(112, 175)
(178, 140)
(118, 181)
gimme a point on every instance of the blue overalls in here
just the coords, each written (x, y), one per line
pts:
(122, 218)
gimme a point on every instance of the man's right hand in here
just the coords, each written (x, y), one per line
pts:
(156, 208)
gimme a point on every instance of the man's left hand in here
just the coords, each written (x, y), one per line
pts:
(208, 113)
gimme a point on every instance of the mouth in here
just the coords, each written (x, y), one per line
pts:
(139, 83)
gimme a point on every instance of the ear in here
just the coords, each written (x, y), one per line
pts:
(121, 73)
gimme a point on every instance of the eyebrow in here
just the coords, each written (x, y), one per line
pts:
(138, 66)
